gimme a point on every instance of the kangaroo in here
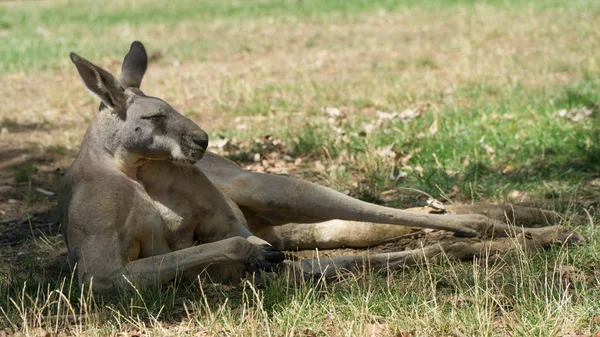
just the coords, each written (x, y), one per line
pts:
(144, 201)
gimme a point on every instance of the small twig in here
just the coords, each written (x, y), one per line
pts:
(414, 190)
(593, 227)
(444, 195)
(18, 220)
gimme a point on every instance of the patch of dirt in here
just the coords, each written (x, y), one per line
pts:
(30, 225)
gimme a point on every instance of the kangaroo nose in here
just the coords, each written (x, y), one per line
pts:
(200, 139)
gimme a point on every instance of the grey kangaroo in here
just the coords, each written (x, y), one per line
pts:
(144, 201)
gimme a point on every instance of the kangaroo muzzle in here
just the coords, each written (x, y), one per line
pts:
(194, 146)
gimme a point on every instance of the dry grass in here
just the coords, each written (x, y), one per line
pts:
(471, 63)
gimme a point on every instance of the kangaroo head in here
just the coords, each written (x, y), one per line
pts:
(141, 126)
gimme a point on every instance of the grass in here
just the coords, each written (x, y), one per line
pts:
(61, 26)
(540, 295)
(489, 78)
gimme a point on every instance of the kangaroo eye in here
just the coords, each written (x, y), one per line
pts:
(155, 118)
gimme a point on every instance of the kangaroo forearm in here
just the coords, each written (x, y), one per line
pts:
(162, 268)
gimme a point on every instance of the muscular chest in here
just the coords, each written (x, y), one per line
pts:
(189, 206)
(180, 221)
(166, 214)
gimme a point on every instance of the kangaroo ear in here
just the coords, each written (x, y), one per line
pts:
(134, 66)
(100, 82)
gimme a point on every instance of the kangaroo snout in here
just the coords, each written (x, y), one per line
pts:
(194, 144)
(200, 138)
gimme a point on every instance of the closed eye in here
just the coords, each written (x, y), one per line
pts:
(155, 117)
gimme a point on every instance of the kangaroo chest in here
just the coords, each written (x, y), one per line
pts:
(181, 222)
(190, 207)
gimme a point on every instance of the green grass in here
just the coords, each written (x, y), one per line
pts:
(40, 37)
(549, 155)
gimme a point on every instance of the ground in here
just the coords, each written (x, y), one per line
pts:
(467, 101)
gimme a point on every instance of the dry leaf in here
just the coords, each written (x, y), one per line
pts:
(405, 116)
(376, 330)
(405, 158)
(571, 274)
(436, 204)
(332, 112)
(330, 327)
(576, 114)
(488, 149)
(309, 333)
(319, 167)
(39, 332)
(409, 114)
(403, 334)
(508, 169)
(419, 169)
(433, 129)
(519, 196)
(386, 152)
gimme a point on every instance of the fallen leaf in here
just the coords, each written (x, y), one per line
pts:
(423, 107)
(436, 204)
(571, 274)
(419, 169)
(309, 333)
(330, 327)
(409, 114)
(433, 129)
(508, 169)
(386, 151)
(488, 149)
(576, 114)
(594, 183)
(319, 167)
(39, 332)
(332, 112)
(405, 158)
(406, 116)
(403, 334)
(376, 330)
(519, 196)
